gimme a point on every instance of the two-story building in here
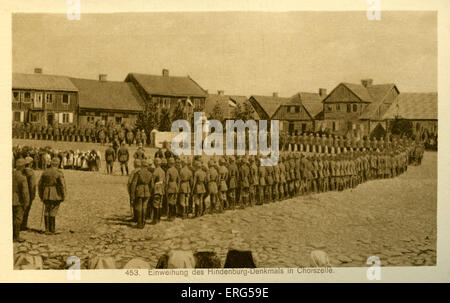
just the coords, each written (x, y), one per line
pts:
(165, 91)
(107, 101)
(357, 109)
(44, 99)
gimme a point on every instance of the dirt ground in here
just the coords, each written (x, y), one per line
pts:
(394, 219)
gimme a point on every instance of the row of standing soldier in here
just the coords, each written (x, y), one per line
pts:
(196, 186)
(96, 134)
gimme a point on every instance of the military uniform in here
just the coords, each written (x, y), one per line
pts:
(159, 178)
(140, 193)
(110, 157)
(32, 183)
(20, 198)
(52, 191)
(137, 167)
(233, 175)
(186, 180)
(123, 156)
(172, 185)
(199, 188)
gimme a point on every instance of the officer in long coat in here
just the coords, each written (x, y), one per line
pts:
(254, 180)
(123, 156)
(262, 173)
(186, 181)
(52, 191)
(233, 175)
(140, 193)
(198, 188)
(20, 197)
(244, 182)
(172, 185)
(110, 157)
(137, 167)
(159, 179)
(32, 183)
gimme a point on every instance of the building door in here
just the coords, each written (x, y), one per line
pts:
(50, 118)
(291, 128)
(303, 127)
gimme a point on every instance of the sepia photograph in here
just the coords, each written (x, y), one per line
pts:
(232, 141)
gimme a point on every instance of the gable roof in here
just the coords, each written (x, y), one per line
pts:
(224, 102)
(312, 102)
(378, 93)
(168, 85)
(414, 106)
(42, 82)
(109, 95)
(270, 104)
(360, 91)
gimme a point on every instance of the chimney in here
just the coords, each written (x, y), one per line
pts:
(220, 92)
(102, 77)
(38, 70)
(165, 73)
(275, 94)
(366, 82)
(322, 92)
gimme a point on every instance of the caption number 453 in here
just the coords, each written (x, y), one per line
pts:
(374, 271)
(74, 271)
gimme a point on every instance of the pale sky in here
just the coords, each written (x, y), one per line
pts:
(240, 53)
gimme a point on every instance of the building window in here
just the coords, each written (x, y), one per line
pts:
(48, 98)
(349, 108)
(16, 96)
(338, 107)
(34, 117)
(297, 109)
(90, 119)
(118, 120)
(27, 97)
(65, 118)
(330, 108)
(17, 117)
(65, 99)
(355, 108)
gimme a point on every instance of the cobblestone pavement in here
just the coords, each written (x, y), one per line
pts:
(393, 219)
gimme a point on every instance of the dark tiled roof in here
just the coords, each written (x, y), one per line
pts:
(169, 85)
(109, 95)
(42, 82)
(414, 106)
(270, 104)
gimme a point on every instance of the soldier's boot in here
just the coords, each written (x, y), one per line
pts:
(154, 213)
(121, 169)
(47, 225)
(143, 215)
(184, 212)
(16, 233)
(52, 225)
(138, 216)
(171, 212)
(126, 169)
(158, 215)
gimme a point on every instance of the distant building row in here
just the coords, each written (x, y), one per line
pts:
(349, 109)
